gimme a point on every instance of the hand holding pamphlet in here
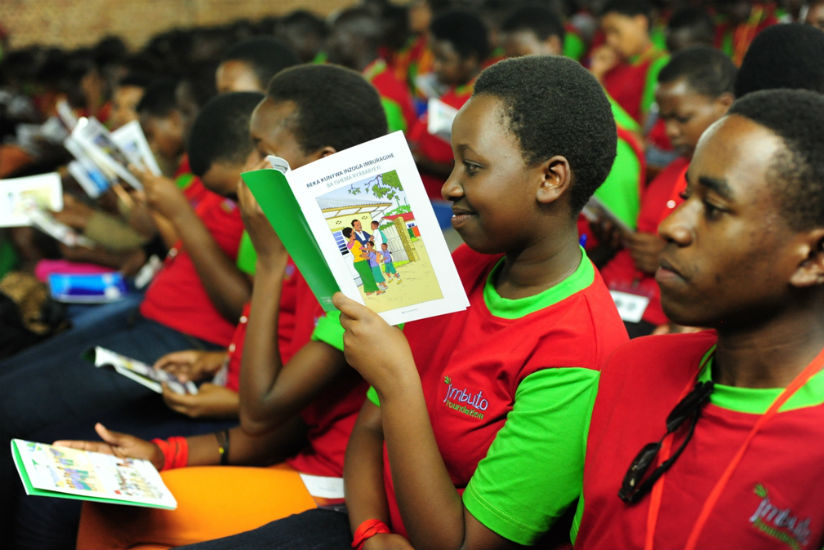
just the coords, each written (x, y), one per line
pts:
(359, 222)
(139, 372)
(64, 472)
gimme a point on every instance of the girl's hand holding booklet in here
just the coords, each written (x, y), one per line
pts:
(359, 222)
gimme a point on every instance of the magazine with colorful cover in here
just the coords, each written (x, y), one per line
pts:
(63, 472)
(99, 145)
(138, 371)
(18, 195)
(86, 172)
(324, 214)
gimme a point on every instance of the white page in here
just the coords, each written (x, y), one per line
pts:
(16, 194)
(347, 179)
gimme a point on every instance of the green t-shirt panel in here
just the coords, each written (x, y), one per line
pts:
(533, 470)
(246, 255)
(621, 191)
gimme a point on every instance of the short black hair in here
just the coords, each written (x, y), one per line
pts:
(536, 18)
(707, 71)
(375, 222)
(336, 106)
(353, 222)
(697, 21)
(220, 133)
(797, 173)
(629, 8)
(136, 80)
(266, 55)
(464, 30)
(556, 107)
(159, 99)
(783, 56)
(347, 232)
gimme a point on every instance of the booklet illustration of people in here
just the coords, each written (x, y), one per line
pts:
(138, 371)
(359, 221)
(62, 472)
(99, 145)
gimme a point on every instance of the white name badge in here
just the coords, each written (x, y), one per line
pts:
(322, 486)
(631, 307)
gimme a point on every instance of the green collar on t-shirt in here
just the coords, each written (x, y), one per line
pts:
(758, 400)
(498, 306)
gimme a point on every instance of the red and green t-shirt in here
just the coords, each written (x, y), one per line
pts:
(773, 499)
(660, 198)
(395, 96)
(434, 147)
(176, 298)
(508, 385)
(632, 82)
(331, 415)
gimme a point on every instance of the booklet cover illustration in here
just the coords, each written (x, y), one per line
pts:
(63, 472)
(359, 221)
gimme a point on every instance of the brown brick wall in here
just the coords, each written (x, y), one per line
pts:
(70, 23)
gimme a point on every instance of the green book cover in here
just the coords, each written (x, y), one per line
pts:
(275, 197)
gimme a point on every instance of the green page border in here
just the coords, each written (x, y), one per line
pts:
(34, 491)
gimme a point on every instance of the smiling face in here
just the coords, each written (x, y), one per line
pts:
(491, 188)
(687, 114)
(728, 258)
(272, 132)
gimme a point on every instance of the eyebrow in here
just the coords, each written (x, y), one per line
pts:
(718, 185)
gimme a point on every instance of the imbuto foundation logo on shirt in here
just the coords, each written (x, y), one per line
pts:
(780, 523)
(465, 400)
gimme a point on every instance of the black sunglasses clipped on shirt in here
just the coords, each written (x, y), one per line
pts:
(635, 486)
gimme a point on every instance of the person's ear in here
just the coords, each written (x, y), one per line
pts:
(641, 22)
(810, 270)
(723, 102)
(556, 177)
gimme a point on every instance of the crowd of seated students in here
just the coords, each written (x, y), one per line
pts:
(643, 168)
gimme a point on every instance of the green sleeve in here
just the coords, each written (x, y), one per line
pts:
(574, 47)
(652, 81)
(372, 395)
(623, 118)
(394, 115)
(329, 331)
(621, 191)
(246, 255)
(533, 470)
(184, 180)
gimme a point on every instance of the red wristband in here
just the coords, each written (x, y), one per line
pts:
(175, 452)
(366, 530)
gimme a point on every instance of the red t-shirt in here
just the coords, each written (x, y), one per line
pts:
(478, 359)
(332, 414)
(627, 81)
(286, 328)
(772, 500)
(176, 297)
(660, 198)
(433, 147)
(389, 87)
(191, 185)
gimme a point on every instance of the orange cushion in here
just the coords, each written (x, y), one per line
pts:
(213, 502)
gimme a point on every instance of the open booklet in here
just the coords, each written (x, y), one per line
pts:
(63, 472)
(138, 371)
(402, 269)
(112, 153)
(19, 195)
